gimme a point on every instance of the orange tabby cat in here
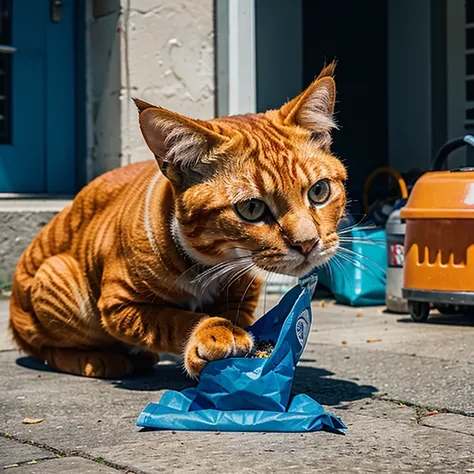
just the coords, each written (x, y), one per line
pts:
(170, 261)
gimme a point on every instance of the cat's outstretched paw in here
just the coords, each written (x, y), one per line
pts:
(214, 339)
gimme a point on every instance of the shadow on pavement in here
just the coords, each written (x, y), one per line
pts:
(29, 362)
(329, 391)
(443, 319)
(313, 381)
(169, 376)
(163, 377)
(310, 380)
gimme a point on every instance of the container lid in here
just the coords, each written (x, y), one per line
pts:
(442, 195)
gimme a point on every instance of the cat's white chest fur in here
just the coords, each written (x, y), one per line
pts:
(203, 293)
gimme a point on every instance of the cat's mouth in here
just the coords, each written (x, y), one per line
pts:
(293, 263)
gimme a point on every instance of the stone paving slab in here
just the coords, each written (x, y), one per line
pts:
(72, 465)
(371, 444)
(13, 452)
(450, 422)
(446, 337)
(334, 374)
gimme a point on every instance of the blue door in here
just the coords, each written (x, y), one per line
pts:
(37, 106)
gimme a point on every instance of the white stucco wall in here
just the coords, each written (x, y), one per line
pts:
(104, 85)
(157, 50)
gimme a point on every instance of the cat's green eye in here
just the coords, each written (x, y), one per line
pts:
(252, 210)
(319, 193)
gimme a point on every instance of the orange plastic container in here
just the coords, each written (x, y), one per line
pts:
(439, 241)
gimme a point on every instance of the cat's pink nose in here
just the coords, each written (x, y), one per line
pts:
(306, 246)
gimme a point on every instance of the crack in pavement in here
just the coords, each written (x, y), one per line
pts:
(32, 462)
(467, 414)
(416, 420)
(66, 454)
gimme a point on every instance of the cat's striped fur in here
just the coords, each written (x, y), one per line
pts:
(161, 260)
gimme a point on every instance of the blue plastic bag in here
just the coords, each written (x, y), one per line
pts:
(359, 278)
(252, 394)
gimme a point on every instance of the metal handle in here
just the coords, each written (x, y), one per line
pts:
(56, 9)
(7, 49)
(449, 147)
(395, 175)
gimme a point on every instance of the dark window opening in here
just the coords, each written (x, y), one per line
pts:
(470, 90)
(469, 11)
(470, 114)
(470, 38)
(470, 64)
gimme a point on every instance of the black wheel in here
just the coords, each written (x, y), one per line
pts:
(419, 311)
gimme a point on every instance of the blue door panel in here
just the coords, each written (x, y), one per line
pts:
(22, 162)
(60, 110)
(41, 157)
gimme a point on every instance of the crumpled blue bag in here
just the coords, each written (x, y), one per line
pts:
(252, 394)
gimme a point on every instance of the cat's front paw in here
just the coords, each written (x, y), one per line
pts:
(214, 339)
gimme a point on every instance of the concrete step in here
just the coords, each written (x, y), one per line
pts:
(20, 221)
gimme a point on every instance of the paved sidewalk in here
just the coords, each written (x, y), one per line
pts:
(382, 390)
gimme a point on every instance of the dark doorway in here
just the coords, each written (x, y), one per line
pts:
(355, 34)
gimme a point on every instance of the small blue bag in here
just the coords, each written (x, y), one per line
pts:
(252, 394)
(358, 277)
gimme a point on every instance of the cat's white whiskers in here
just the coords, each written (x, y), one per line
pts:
(222, 273)
(240, 274)
(217, 267)
(356, 227)
(359, 240)
(356, 256)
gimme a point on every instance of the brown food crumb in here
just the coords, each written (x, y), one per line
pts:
(261, 355)
(32, 421)
(359, 314)
(322, 304)
(263, 349)
(343, 341)
(374, 340)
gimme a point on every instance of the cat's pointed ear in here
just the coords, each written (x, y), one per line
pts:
(176, 140)
(313, 109)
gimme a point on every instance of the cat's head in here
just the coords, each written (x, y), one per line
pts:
(261, 187)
